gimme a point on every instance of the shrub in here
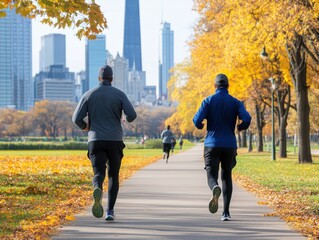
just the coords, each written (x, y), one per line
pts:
(153, 143)
(43, 146)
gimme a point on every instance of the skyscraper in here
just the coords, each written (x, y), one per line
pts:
(95, 58)
(120, 72)
(52, 51)
(132, 35)
(166, 58)
(15, 61)
(56, 83)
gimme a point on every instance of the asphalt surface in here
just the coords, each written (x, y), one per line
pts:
(170, 201)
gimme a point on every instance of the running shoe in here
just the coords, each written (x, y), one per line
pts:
(213, 203)
(97, 209)
(164, 156)
(110, 216)
(226, 216)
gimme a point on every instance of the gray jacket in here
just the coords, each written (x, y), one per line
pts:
(167, 136)
(103, 105)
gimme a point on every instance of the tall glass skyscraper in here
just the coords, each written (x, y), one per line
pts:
(132, 35)
(52, 51)
(16, 89)
(166, 58)
(95, 58)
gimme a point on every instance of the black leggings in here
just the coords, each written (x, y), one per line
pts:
(227, 158)
(106, 154)
(167, 148)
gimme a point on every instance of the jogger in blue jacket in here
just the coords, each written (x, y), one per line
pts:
(221, 110)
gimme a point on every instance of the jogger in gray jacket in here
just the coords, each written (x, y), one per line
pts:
(104, 106)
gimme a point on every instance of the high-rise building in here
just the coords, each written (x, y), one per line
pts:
(95, 58)
(16, 89)
(52, 51)
(136, 84)
(132, 35)
(166, 59)
(79, 82)
(56, 83)
(120, 72)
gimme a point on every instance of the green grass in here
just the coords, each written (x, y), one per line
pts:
(279, 174)
(128, 151)
(282, 174)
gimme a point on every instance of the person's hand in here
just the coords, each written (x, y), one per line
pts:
(87, 128)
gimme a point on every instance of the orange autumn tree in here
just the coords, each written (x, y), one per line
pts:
(85, 16)
(50, 117)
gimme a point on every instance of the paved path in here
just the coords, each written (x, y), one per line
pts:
(315, 152)
(170, 201)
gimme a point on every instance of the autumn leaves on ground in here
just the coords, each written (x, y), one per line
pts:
(289, 188)
(40, 190)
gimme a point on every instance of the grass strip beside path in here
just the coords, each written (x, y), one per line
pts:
(289, 188)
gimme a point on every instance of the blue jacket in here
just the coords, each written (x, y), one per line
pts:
(221, 111)
(104, 106)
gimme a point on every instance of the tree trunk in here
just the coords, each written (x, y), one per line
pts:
(259, 126)
(283, 103)
(250, 141)
(239, 140)
(65, 134)
(298, 64)
(303, 110)
(283, 139)
(244, 138)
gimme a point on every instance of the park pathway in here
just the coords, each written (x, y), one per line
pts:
(170, 201)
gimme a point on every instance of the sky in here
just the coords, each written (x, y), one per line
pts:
(177, 12)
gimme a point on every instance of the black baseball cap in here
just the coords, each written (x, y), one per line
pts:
(221, 80)
(106, 72)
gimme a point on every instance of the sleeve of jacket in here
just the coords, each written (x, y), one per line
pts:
(80, 113)
(244, 116)
(200, 115)
(128, 109)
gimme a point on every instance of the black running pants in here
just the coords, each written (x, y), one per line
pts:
(106, 155)
(226, 157)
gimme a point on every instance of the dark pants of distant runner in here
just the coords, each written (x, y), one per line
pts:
(106, 154)
(167, 148)
(173, 146)
(227, 158)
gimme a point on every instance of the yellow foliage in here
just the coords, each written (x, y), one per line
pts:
(85, 16)
(228, 38)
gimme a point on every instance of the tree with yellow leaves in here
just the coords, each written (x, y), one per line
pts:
(85, 16)
(228, 38)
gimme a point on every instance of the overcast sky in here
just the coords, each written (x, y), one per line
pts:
(177, 12)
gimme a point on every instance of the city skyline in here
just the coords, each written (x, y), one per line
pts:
(151, 17)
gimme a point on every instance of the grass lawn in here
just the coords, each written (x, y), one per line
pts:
(290, 188)
(40, 190)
